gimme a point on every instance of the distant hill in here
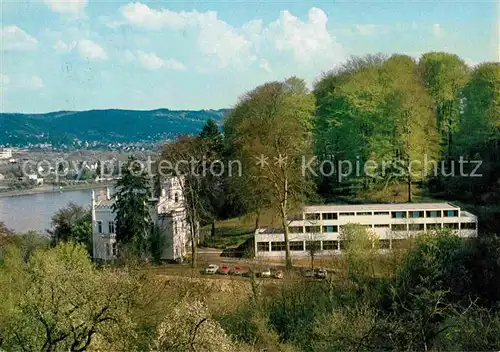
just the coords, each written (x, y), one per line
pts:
(101, 127)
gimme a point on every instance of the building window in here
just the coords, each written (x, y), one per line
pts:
(330, 245)
(450, 213)
(313, 245)
(330, 228)
(416, 214)
(293, 217)
(296, 245)
(111, 227)
(434, 214)
(113, 248)
(296, 229)
(384, 244)
(99, 226)
(433, 226)
(277, 246)
(330, 216)
(176, 198)
(262, 246)
(416, 227)
(453, 226)
(468, 226)
(313, 229)
(107, 250)
(381, 213)
(398, 227)
(398, 214)
(312, 216)
(382, 226)
(346, 214)
(364, 213)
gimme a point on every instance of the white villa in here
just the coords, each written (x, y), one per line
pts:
(390, 222)
(167, 211)
(5, 153)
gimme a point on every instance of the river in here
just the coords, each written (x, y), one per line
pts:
(34, 212)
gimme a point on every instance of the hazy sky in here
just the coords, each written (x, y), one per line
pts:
(85, 54)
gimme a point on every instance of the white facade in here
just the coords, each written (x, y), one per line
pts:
(390, 222)
(5, 153)
(167, 211)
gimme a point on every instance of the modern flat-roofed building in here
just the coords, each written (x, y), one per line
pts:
(390, 222)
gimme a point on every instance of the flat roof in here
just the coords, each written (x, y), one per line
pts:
(378, 207)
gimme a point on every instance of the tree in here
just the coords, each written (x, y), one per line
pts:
(59, 301)
(361, 246)
(131, 207)
(72, 223)
(313, 246)
(186, 159)
(213, 185)
(271, 131)
(444, 76)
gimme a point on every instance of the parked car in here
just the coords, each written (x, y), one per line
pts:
(278, 274)
(321, 274)
(265, 273)
(224, 269)
(237, 270)
(212, 269)
(309, 273)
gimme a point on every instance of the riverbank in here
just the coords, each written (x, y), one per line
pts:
(53, 189)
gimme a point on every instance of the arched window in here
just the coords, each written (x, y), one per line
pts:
(176, 198)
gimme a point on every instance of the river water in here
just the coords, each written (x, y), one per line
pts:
(34, 212)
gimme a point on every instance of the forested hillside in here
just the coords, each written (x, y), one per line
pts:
(103, 126)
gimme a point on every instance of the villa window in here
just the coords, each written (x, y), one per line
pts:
(364, 213)
(296, 245)
(346, 214)
(453, 226)
(262, 246)
(99, 226)
(381, 213)
(176, 198)
(111, 227)
(114, 249)
(382, 226)
(434, 214)
(296, 229)
(329, 216)
(330, 228)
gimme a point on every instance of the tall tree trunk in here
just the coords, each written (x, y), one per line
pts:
(257, 220)
(284, 215)
(212, 230)
(409, 188)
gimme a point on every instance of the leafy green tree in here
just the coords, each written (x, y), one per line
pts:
(271, 131)
(59, 301)
(72, 223)
(131, 207)
(444, 76)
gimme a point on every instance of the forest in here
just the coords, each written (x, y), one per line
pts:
(438, 292)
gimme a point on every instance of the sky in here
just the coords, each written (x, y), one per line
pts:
(85, 54)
